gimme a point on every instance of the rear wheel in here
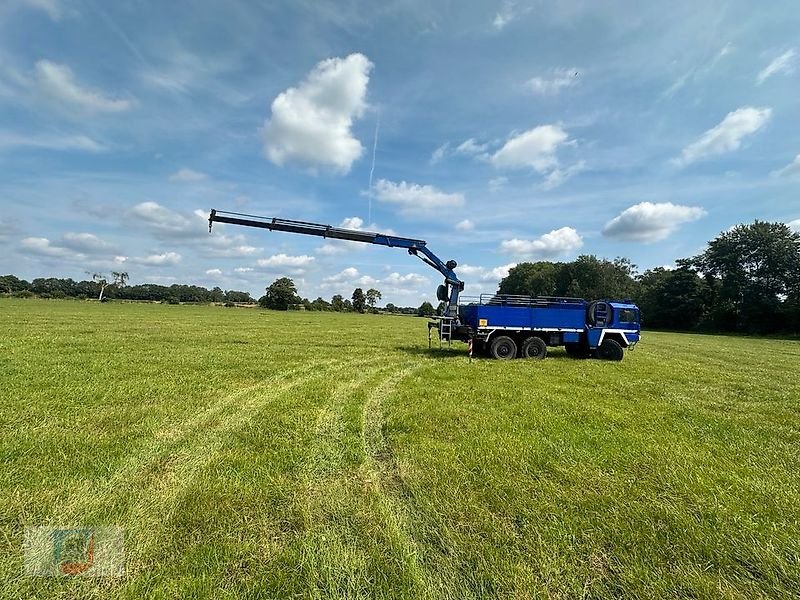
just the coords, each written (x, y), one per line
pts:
(534, 347)
(610, 350)
(503, 348)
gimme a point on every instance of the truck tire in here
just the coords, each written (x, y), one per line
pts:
(503, 348)
(534, 347)
(610, 350)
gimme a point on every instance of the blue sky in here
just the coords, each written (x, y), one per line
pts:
(506, 131)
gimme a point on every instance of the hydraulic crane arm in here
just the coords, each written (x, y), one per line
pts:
(416, 247)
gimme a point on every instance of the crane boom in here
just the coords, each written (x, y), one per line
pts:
(416, 247)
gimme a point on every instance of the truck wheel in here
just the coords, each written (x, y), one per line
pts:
(610, 350)
(503, 348)
(534, 347)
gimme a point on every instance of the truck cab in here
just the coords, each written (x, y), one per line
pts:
(612, 322)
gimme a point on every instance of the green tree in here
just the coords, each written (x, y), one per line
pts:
(337, 303)
(425, 309)
(673, 298)
(373, 296)
(320, 304)
(359, 300)
(390, 307)
(281, 294)
(755, 272)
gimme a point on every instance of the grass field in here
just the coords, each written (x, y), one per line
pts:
(263, 454)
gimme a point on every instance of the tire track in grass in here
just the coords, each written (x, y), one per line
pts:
(143, 494)
(158, 504)
(354, 543)
(144, 467)
(381, 471)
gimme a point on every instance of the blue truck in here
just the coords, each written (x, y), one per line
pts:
(511, 326)
(504, 326)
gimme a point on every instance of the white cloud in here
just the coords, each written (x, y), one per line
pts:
(794, 225)
(413, 198)
(157, 260)
(244, 269)
(471, 148)
(311, 123)
(59, 82)
(285, 260)
(483, 274)
(214, 272)
(727, 136)
(394, 283)
(347, 274)
(397, 279)
(465, 225)
(780, 64)
(650, 222)
(558, 176)
(535, 148)
(554, 82)
(187, 176)
(51, 142)
(85, 242)
(555, 243)
(352, 223)
(43, 247)
(793, 168)
(163, 219)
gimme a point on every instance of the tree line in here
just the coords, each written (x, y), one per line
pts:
(282, 295)
(746, 280)
(117, 288)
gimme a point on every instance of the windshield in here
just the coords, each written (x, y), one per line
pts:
(628, 315)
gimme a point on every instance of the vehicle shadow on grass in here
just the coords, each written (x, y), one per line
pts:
(445, 353)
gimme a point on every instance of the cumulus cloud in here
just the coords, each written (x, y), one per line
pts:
(413, 198)
(40, 246)
(535, 148)
(793, 168)
(727, 136)
(394, 283)
(58, 81)
(87, 243)
(244, 269)
(187, 176)
(465, 225)
(285, 260)
(780, 64)
(484, 274)
(555, 243)
(161, 218)
(156, 260)
(650, 222)
(214, 272)
(554, 82)
(794, 225)
(311, 123)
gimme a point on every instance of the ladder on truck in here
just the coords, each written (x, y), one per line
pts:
(444, 327)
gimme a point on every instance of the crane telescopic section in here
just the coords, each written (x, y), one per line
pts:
(448, 293)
